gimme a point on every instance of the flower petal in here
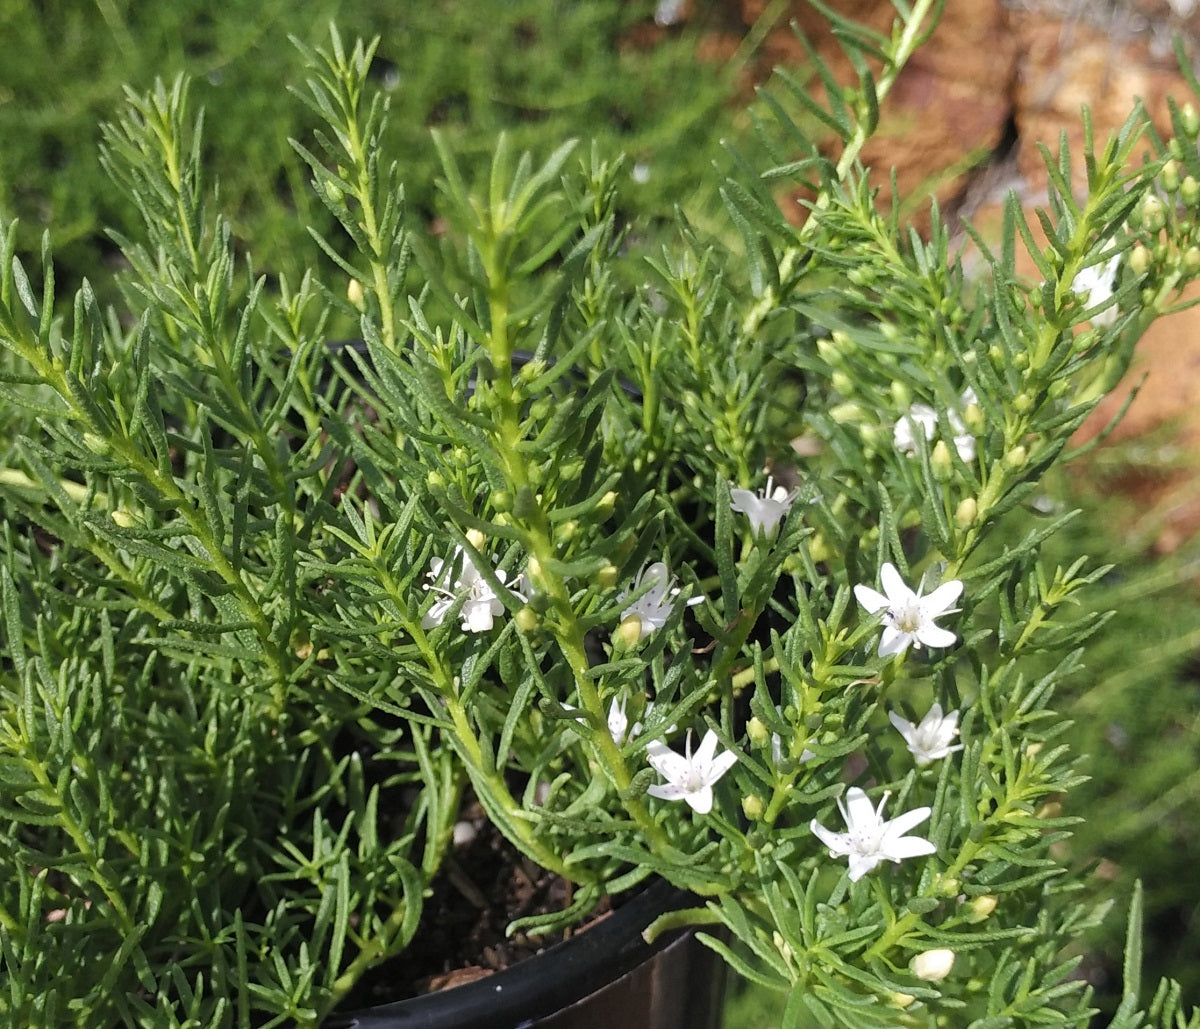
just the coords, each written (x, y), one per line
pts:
(894, 586)
(908, 847)
(901, 824)
(893, 641)
(708, 747)
(870, 599)
(903, 726)
(701, 800)
(667, 791)
(861, 864)
(935, 636)
(720, 765)
(942, 599)
(857, 808)
(837, 842)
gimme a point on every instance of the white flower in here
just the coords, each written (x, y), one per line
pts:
(765, 509)
(618, 724)
(908, 616)
(1094, 286)
(689, 776)
(931, 738)
(869, 838)
(933, 965)
(654, 607)
(923, 419)
(480, 602)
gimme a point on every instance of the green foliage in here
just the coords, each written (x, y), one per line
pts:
(539, 69)
(272, 604)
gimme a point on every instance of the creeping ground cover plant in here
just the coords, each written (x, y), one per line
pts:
(507, 516)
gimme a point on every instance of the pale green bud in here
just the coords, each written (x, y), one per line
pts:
(941, 461)
(842, 383)
(753, 807)
(354, 293)
(1154, 215)
(1191, 259)
(1139, 259)
(933, 966)
(629, 632)
(966, 512)
(527, 619)
(1016, 457)
(758, 732)
(1189, 190)
(1190, 119)
(606, 578)
(1170, 176)
(980, 908)
(828, 352)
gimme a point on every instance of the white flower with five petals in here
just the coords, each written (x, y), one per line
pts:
(655, 606)
(930, 739)
(765, 509)
(1095, 285)
(921, 421)
(908, 617)
(690, 777)
(480, 602)
(869, 837)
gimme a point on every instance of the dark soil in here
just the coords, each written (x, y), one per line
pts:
(484, 885)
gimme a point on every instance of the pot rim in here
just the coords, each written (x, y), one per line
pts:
(540, 985)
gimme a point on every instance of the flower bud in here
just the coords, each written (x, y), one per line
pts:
(122, 517)
(527, 619)
(901, 394)
(758, 732)
(981, 907)
(941, 461)
(606, 503)
(476, 538)
(1189, 190)
(606, 578)
(567, 531)
(846, 413)
(1169, 176)
(1154, 215)
(966, 512)
(629, 632)
(828, 352)
(753, 807)
(354, 293)
(1016, 457)
(435, 480)
(900, 1000)
(1139, 259)
(933, 965)
(1191, 259)
(1190, 120)
(1023, 403)
(842, 383)
(973, 418)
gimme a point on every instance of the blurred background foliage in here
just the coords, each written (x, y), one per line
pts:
(538, 69)
(542, 71)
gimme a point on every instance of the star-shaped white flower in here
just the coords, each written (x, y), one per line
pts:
(654, 607)
(1095, 285)
(690, 777)
(869, 838)
(921, 420)
(618, 723)
(765, 509)
(930, 739)
(480, 604)
(909, 617)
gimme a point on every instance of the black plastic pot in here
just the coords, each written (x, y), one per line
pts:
(606, 977)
